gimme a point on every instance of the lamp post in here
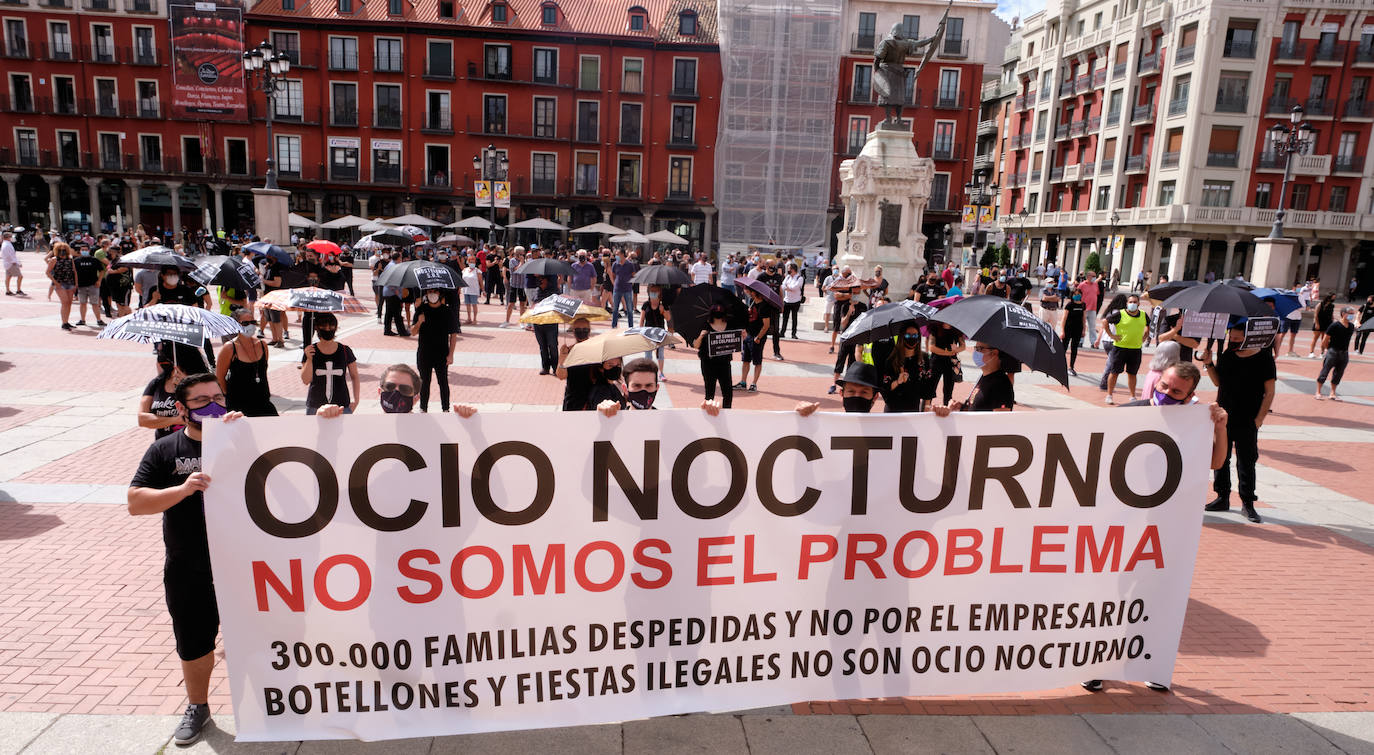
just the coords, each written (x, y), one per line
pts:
(267, 70)
(491, 166)
(1025, 246)
(1111, 247)
(1287, 140)
(979, 191)
(949, 244)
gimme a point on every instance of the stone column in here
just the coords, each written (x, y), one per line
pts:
(174, 189)
(1178, 256)
(55, 199)
(93, 197)
(318, 199)
(708, 229)
(1230, 257)
(218, 190)
(1204, 256)
(362, 207)
(1343, 283)
(12, 189)
(605, 214)
(407, 207)
(132, 186)
(648, 220)
(1273, 262)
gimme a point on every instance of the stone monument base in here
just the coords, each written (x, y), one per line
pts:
(270, 208)
(1273, 266)
(885, 190)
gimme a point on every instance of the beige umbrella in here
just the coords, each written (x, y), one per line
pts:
(347, 221)
(620, 343)
(300, 221)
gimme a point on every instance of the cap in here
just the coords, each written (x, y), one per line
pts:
(861, 373)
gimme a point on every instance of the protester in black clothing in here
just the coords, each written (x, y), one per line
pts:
(944, 347)
(1366, 315)
(605, 386)
(1245, 389)
(545, 334)
(577, 380)
(1336, 352)
(171, 289)
(848, 353)
(90, 274)
(1018, 286)
(773, 279)
(1321, 320)
(756, 330)
(906, 375)
(640, 387)
(715, 370)
(329, 368)
(998, 287)
(654, 313)
(434, 346)
(242, 369)
(1071, 329)
(157, 409)
(993, 392)
(169, 481)
(930, 289)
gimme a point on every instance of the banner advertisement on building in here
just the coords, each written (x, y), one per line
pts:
(207, 59)
(502, 193)
(385, 576)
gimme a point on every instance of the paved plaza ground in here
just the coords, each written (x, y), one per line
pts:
(1276, 652)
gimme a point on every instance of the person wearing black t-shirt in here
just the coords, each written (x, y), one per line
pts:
(171, 289)
(1366, 316)
(169, 481)
(1336, 352)
(993, 392)
(329, 368)
(577, 380)
(1071, 329)
(434, 345)
(944, 347)
(929, 289)
(1245, 389)
(756, 330)
(906, 377)
(715, 370)
(773, 279)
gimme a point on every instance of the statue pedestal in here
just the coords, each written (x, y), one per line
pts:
(1273, 266)
(270, 208)
(885, 190)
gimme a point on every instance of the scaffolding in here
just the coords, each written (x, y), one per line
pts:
(776, 130)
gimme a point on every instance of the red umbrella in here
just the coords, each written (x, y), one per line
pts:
(324, 247)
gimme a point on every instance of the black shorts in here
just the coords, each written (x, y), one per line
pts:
(191, 602)
(515, 294)
(1127, 360)
(753, 351)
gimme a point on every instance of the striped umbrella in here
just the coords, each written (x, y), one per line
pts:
(310, 299)
(210, 323)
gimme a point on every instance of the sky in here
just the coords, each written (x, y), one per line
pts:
(1009, 9)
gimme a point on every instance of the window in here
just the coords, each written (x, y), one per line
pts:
(64, 92)
(446, 10)
(1233, 92)
(289, 155)
(145, 49)
(1340, 195)
(147, 100)
(1166, 193)
(290, 101)
(150, 146)
(285, 4)
(386, 164)
(687, 23)
(498, 13)
(388, 103)
(543, 172)
(494, 114)
(436, 165)
(585, 173)
(395, 7)
(103, 38)
(1178, 101)
(684, 124)
(1288, 40)
(1097, 22)
(545, 117)
(288, 43)
(589, 72)
(69, 149)
(16, 41)
(629, 122)
(858, 133)
(949, 87)
(939, 191)
(1240, 42)
(236, 156)
(863, 83)
(438, 115)
(588, 113)
(1300, 194)
(549, 15)
(867, 35)
(954, 36)
(1032, 204)
(909, 86)
(911, 27)
(546, 65)
(1263, 194)
(106, 98)
(343, 53)
(685, 76)
(628, 184)
(498, 62)
(60, 37)
(1104, 196)
(680, 178)
(343, 163)
(632, 76)
(26, 140)
(22, 92)
(942, 148)
(388, 55)
(1223, 149)
(1216, 193)
(440, 59)
(637, 18)
(109, 152)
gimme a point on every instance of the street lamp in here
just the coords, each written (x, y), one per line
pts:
(1111, 247)
(491, 166)
(949, 244)
(270, 68)
(1287, 140)
(1025, 245)
(980, 193)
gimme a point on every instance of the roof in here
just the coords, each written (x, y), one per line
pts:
(598, 17)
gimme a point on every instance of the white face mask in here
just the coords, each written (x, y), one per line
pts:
(172, 280)
(432, 297)
(1132, 307)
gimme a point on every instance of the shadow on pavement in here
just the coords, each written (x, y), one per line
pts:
(1204, 624)
(18, 522)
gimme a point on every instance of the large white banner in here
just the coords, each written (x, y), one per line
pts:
(383, 576)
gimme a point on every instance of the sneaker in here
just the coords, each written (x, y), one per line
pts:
(9, 293)
(754, 388)
(662, 378)
(100, 323)
(66, 326)
(1157, 687)
(778, 357)
(19, 292)
(741, 384)
(544, 371)
(80, 322)
(1311, 355)
(1073, 372)
(1248, 509)
(1110, 399)
(1092, 685)
(1220, 503)
(833, 388)
(192, 726)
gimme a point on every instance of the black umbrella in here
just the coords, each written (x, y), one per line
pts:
(231, 272)
(1165, 290)
(886, 321)
(1220, 298)
(156, 258)
(420, 274)
(662, 275)
(544, 266)
(1011, 328)
(694, 304)
(1240, 283)
(1368, 325)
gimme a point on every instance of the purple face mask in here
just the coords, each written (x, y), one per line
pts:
(1164, 399)
(212, 410)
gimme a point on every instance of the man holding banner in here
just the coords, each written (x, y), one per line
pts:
(1245, 380)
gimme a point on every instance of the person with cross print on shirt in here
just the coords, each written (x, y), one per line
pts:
(323, 367)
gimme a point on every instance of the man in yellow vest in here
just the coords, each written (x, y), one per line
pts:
(1127, 327)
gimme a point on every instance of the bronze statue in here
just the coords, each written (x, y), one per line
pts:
(889, 79)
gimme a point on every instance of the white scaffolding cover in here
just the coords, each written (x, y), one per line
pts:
(775, 142)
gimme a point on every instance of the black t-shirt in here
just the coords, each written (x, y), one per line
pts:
(330, 382)
(997, 288)
(166, 464)
(772, 280)
(945, 338)
(1073, 319)
(87, 270)
(1340, 334)
(993, 391)
(1240, 389)
(576, 388)
(433, 335)
(272, 269)
(755, 323)
(182, 294)
(599, 392)
(334, 281)
(1020, 286)
(164, 404)
(930, 291)
(653, 316)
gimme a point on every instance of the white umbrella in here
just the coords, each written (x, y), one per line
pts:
(630, 237)
(119, 220)
(347, 221)
(601, 228)
(368, 244)
(374, 225)
(300, 221)
(538, 224)
(474, 221)
(666, 236)
(413, 219)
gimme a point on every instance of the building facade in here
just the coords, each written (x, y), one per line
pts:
(604, 111)
(1157, 114)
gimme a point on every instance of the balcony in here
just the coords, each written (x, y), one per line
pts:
(1040, 135)
(386, 63)
(141, 6)
(1030, 98)
(862, 42)
(1135, 163)
(1143, 113)
(1319, 106)
(630, 136)
(343, 115)
(1061, 131)
(435, 178)
(337, 172)
(102, 5)
(1107, 166)
(987, 127)
(1066, 88)
(442, 70)
(1279, 105)
(982, 162)
(1185, 55)
(948, 100)
(18, 47)
(942, 150)
(687, 91)
(145, 57)
(1359, 109)
(1328, 53)
(1232, 104)
(1223, 159)
(343, 60)
(386, 174)
(860, 95)
(438, 121)
(1243, 50)
(1294, 51)
(954, 48)
(1083, 83)
(585, 187)
(386, 117)
(151, 164)
(1114, 117)
(149, 109)
(1071, 173)
(1078, 128)
(1057, 173)
(1169, 160)
(1118, 71)
(1149, 64)
(106, 107)
(1178, 107)
(1019, 103)
(1348, 164)
(1035, 175)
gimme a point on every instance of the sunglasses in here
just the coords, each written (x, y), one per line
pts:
(404, 390)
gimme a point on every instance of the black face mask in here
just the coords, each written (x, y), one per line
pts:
(641, 399)
(911, 340)
(394, 402)
(611, 374)
(857, 405)
(325, 335)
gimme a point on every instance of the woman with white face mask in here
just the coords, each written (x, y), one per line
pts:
(242, 369)
(437, 337)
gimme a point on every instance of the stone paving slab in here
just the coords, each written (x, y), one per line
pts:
(103, 734)
(1144, 734)
(1262, 735)
(686, 735)
(17, 730)
(1351, 732)
(1040, 734)
(789, 735)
